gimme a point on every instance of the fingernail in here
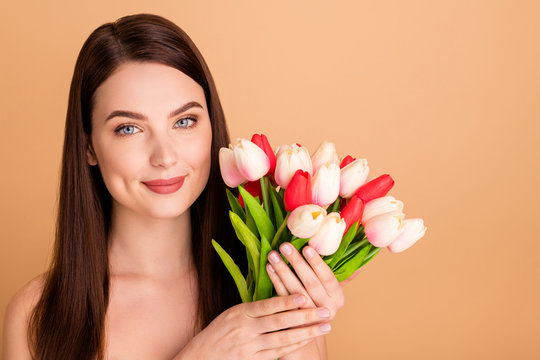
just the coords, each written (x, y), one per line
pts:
(273, 257)
(325, 327)
(323, 313)
(299, 300)
(271, 268)
(309, 252)
(286, 249)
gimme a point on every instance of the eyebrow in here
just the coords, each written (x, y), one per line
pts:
(139, 116)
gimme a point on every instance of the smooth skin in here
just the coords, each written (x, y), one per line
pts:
(153, 293)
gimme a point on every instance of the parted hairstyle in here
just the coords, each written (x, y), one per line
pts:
(68, 319)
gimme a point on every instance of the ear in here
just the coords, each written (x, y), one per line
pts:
(91, 155)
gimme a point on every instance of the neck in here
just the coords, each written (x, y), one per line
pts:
(144, 246)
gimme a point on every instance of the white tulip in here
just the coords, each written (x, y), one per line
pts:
(305, 220)
(382, 205)
(381, 230)
(326, 241)
(289, 160)
(325, 154)
(413, 230)
(353, 176)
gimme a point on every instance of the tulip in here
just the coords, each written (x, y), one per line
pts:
(251, 160)
(346, 161)
(413, 230)
(382, 205)
(352, 212)
(229, 171)
(289, 160)
(326, 241)
(381, 230)
(261, 141)
(252, 187)
(375, 188)
(325, 154)
(298, 192)
(325, 185)
(306, 220)
(352, 177)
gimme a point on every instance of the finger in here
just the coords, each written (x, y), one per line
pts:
(291, 336)
(274, 305)
(282, 351)
(292, 318)
(291, 282)
(323, 271)
(276, 281)
(305, 272)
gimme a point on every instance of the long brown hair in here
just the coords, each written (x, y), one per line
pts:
(68, 320)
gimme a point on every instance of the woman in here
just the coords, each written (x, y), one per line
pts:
(133, 273)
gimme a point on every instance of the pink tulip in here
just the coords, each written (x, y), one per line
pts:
(326, 241)
(352, 177)
(251, 160)
(381, 230)
(229, 171)
(325, 185)
(382, 205)
(305, 220)
(375, 188)
(261, 141)
(291, 158)
(298, 192)
(325, 154)
(413, 230)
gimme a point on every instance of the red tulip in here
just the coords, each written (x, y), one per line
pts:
(375, 188)
(261, 141)
(352, 212)
(346, 161)
(252, 187)
(298, 191)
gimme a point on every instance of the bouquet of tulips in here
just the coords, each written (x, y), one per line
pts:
(320, 200)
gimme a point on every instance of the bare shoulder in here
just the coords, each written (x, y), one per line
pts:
(16, 319)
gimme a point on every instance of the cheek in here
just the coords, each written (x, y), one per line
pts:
(118, 166)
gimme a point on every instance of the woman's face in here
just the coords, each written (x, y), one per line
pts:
(150, 123)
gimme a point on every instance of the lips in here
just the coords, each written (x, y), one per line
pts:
(165, 186)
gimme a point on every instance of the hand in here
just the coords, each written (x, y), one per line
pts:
(256, 330)
(314, 278)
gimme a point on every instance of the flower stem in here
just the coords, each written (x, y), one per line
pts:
(278, 233)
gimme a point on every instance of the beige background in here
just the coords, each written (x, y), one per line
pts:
(443, 95)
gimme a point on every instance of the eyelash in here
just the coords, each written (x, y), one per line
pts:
(119, 129)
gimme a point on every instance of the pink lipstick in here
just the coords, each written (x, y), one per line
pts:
(165, 186)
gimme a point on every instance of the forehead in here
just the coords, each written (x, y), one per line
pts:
(146, 87)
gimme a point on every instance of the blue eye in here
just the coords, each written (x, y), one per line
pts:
(126, 130)
(184, 122)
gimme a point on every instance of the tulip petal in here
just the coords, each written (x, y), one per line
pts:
(414, 230)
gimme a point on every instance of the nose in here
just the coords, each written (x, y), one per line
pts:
(163, 152)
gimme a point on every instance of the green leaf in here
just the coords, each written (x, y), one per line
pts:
(279, 232)
(249, 240)
(235, 205)
(266, 199)
(234, 270)
(278, 214)
(299, 243)
(345, 241)
(250, 222)
(371, 255)
(263, 222)
(350, 252)
(334, 207)
(264, 284)
(348, 268)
